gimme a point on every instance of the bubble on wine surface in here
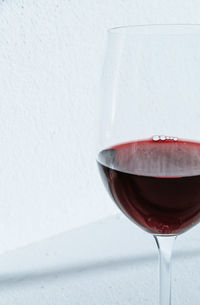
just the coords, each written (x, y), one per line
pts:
(156, 138)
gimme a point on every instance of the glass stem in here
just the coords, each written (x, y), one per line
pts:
(165, 247)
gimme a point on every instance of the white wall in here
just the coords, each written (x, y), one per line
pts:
(51, 54)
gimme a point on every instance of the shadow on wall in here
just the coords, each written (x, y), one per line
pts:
(83, 269)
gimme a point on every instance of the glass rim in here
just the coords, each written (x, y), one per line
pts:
(157, 29)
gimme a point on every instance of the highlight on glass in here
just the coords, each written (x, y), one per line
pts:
(148, 149)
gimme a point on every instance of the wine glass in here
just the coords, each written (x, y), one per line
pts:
(149, 140)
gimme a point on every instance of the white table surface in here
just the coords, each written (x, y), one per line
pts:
(109, 262)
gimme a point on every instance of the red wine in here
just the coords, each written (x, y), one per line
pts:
(155, 182)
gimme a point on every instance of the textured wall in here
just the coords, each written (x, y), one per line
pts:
(51, 53)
